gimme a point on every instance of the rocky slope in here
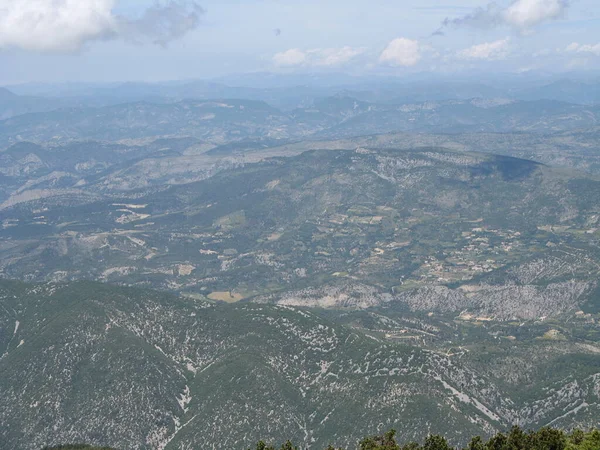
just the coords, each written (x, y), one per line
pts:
(113, 366)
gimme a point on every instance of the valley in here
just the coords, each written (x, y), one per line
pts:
(430, 228)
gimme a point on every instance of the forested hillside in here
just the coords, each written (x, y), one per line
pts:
(139, 369)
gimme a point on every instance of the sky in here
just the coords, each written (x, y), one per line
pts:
(127, 40)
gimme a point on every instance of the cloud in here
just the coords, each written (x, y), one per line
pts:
(334, 57)
(319, 57)
(67, 25)
(584, 49)
(526, 14)
(161, 24)
(401, 52)
(488, 51)
(44, 25)
(489, 16)
(290, 58)
(522, 15)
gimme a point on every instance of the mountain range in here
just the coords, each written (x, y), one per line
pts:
(195, 265)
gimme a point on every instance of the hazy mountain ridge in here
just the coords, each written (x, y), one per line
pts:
(12, 104)
(288, 91)
(222, 120)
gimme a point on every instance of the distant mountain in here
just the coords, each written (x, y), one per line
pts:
(97, 95)
(13, 105)
(216, 120)
(6, 95)
(289, 92)
(566, 91)
(473, 116)
(224, 121)
(388, 92)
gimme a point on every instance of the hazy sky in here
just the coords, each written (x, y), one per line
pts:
(112, 40)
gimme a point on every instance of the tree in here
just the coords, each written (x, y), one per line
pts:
(411, 446)
(590, 442)
(476, 444)
(548, 439)
(497, 442)
(517, 439)
(385, 442)
(262, 446)
(436, 442)
(288, 446)
(576, 437)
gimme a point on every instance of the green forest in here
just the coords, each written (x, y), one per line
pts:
(516, 439)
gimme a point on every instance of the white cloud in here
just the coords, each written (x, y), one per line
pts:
(526, 14)
(290, 58)
(43, 25)
(66, 25)
(584, 48)
(522, 15)
(318, 57)
(401, 52)
(489, 51)
(334, 57)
